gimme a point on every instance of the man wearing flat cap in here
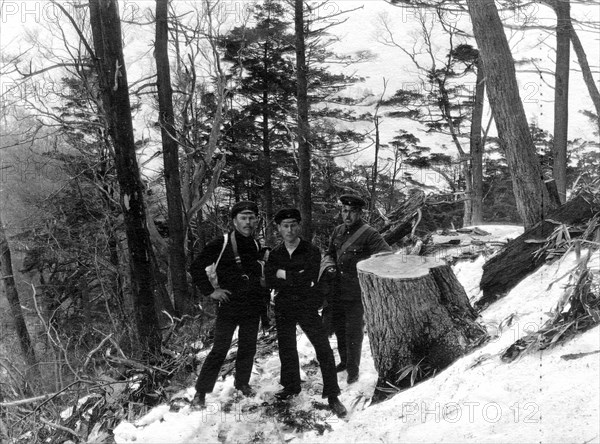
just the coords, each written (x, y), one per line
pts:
(239, 294)
(293, 271)
(350, 243)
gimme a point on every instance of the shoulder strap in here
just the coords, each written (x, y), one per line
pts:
(225, 237)
(238, 260)
(351, 240)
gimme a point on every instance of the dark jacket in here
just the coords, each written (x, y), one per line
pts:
(243, 283)
(368, 243)
(302, 273)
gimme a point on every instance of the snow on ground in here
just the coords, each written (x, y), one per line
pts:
(550, 396)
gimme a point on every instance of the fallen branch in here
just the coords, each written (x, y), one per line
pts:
(59, 427)
(91, 353)
(28, 400)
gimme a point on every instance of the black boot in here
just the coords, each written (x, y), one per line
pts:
(336, 406)
(286, 393)
(246, 390)
(199, 401)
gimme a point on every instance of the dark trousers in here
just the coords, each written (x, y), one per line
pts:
(348, 325)
(225, 326)
(286, 319)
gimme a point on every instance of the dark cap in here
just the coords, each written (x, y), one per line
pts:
(287, 213)
(352, 200)
(242, 206)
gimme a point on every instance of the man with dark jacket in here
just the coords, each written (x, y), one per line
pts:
(292, 271)
(240, 297)
(350, 243)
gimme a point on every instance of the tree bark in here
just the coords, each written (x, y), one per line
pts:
(12, 296)
(588, 77)
(505, 270)
(476, 148)
(267, 170)
(561, 95)
(503, 93)
(417, 313)
(303, 125)
(177, 261)
(375, 169)
(106, 32)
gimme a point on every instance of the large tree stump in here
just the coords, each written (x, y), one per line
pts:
(516, 261)
(417, 312)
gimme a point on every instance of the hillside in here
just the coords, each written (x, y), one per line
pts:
(549, 396)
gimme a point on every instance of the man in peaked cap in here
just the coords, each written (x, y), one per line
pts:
(351, 242)
(239, 295)
(292, 271)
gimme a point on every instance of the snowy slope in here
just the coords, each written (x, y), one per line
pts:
(549, 396)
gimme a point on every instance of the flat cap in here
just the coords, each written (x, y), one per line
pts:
(242, 206)
(352, 200)
(287, 213)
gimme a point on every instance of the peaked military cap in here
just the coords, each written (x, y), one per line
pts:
(242, 206)
(352, 200)
(287, 213)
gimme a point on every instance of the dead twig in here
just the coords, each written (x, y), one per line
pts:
(59, 427)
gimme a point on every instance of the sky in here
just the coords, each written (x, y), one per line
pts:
(21, 22)
(552, 396)
(360, 30)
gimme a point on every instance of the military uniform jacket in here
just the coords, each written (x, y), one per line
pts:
(302, 272)
(243, 282)
(367, 244)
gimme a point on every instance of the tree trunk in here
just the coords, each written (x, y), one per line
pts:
(267, 173)
(476, 148)
(125, 281)
(106, 32)
(588, 77)
(503, 93)
(177, 262)
(303, 126)
(417, 313)
(561, 96)
(375, 172)
(505, 270)
(12, 296)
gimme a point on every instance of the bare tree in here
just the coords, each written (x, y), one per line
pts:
(533, 200)
(477, 143)
(586, 71)
(12, 295)
(177, 260)
(439, 110)
(194, 37)
(561, 95)
(106, 31)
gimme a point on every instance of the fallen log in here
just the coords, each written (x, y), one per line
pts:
(417, 314)
(400, 221)
(503, 271)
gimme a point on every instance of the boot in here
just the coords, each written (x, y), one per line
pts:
(352, 379)
(199, 401)
(246, 390)
(286, 393)
(337, 407)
